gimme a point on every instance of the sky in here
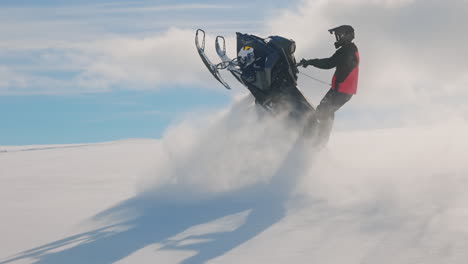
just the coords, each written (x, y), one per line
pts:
(86, 72)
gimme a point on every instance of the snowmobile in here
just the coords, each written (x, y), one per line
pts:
(265, 66)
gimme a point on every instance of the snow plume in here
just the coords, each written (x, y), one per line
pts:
(241, 146)
(390, 196)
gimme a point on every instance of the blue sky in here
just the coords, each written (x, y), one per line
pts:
(50, 96)
(96, 117)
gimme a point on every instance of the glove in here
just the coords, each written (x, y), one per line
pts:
(303, 63)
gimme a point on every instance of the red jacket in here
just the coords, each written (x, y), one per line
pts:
(346, 61)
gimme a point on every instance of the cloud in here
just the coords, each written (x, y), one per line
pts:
(16, 83)
(96, 49)
(163, 8)
(166, 58)
(134, 63)
(9, 78)
(59, 26)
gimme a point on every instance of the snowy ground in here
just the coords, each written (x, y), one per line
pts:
(219, 191)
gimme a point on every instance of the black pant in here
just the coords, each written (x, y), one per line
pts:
(322, 119)
(331, 102)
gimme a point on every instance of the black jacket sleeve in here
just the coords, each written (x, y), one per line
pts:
(327, 63)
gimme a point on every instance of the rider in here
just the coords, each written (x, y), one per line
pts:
(344, 81)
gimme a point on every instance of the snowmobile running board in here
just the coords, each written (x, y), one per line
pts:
(213, 68)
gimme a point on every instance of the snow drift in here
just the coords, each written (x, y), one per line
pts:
(234, 188)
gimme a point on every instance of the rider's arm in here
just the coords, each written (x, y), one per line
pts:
(326, 63)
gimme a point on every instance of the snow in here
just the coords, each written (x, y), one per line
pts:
(218, 190)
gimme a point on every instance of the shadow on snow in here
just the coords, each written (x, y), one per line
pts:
(160, 219)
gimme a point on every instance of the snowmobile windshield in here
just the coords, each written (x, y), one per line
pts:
(292, 48)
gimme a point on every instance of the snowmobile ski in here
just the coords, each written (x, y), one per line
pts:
(211, 67)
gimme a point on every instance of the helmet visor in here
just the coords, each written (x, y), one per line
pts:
(339, 36)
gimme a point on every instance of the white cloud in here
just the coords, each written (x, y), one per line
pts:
(166, 58)
(99, 50)
(9, 78)
(384, 3)
(13, 82)
(163, 8)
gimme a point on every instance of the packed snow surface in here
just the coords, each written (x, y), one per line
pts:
(236, 188)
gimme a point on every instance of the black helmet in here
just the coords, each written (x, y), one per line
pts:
(344, 34)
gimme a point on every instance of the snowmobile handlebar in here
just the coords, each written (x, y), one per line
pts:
(302, 63)
(220, 49)
(197, 43)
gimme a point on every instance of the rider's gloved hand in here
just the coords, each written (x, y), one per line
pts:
(304, 63)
